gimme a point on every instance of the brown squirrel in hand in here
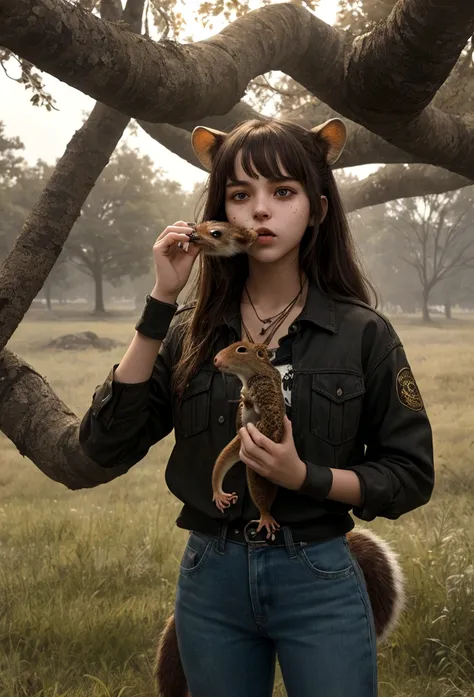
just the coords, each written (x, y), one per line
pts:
(379, 564)
(261, 403)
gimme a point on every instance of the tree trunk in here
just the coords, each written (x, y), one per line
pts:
(447, 307)
(425, 308)
(99, 308)
(47, 294)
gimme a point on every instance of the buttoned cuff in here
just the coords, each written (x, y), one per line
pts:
(318, 481)
(156, 318)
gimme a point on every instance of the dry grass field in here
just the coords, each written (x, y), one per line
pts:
(87, 577)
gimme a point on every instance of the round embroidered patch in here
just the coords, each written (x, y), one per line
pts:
(407, 390)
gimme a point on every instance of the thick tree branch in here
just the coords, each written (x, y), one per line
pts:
(43, 428)
(168, 83)
(400, 181)
(409, 85)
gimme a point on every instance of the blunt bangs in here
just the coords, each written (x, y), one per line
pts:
(261, 148)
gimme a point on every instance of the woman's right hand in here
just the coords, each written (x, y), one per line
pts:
(172, 263)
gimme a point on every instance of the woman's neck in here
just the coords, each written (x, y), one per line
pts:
(272, 286)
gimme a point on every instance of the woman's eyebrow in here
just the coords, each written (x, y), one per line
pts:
(273, 180)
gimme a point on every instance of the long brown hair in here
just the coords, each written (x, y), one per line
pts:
(327, 252)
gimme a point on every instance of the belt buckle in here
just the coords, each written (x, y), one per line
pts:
(251, 535)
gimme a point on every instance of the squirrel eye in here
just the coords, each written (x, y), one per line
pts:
(216, 233)
(241, 349)
(261, 353)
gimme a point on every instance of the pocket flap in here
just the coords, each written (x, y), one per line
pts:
(199, 383)
(338, 386)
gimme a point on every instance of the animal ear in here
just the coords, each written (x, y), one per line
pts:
(333, 133)
(206, 142)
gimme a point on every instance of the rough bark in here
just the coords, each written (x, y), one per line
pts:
(383, 80)
(43, 428)
(407, 87)
(37, 248)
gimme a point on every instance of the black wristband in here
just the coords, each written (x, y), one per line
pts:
(156, 318)
(318, 481)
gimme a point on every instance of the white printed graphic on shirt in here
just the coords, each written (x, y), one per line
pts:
(286, 372)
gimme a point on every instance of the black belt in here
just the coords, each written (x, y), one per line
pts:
(246, 533)
(242, 530)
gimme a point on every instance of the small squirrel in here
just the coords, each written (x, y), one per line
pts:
(263, 404)
(221, 239)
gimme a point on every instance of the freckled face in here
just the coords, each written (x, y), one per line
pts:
(283, 207)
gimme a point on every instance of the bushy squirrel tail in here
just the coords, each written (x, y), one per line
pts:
(385, 587)
(383, 577)
(169, 673)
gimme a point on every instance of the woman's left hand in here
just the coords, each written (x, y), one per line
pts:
(278, 462)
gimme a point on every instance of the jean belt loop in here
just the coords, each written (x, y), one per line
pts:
(289, 543)
(221, 539)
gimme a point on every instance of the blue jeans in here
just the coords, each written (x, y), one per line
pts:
(239, 606)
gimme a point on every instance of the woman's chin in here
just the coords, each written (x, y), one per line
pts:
(266, 255)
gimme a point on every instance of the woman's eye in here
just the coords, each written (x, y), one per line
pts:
(242, 193)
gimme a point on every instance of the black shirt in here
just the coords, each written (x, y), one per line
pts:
(354, 405)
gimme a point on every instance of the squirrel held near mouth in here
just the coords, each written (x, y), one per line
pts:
(262, 403)
(221, 239)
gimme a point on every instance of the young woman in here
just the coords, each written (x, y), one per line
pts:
(357, 436)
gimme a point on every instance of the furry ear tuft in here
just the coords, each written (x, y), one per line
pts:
(333, 133)
(205, 142)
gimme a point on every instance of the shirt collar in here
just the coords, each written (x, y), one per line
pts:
(319, 309)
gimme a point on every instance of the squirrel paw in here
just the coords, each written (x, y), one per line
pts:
(268, 522)
(224, 500)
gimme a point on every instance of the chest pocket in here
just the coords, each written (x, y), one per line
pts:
(336, 406)
(192, 411)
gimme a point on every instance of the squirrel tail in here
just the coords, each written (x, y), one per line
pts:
(385, 587)
(383, 577)
(169, 672)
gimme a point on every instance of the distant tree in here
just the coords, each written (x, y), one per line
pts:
(438, 234)
(120, 220)
(456, 290)
(12, 165)
(381, 249)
